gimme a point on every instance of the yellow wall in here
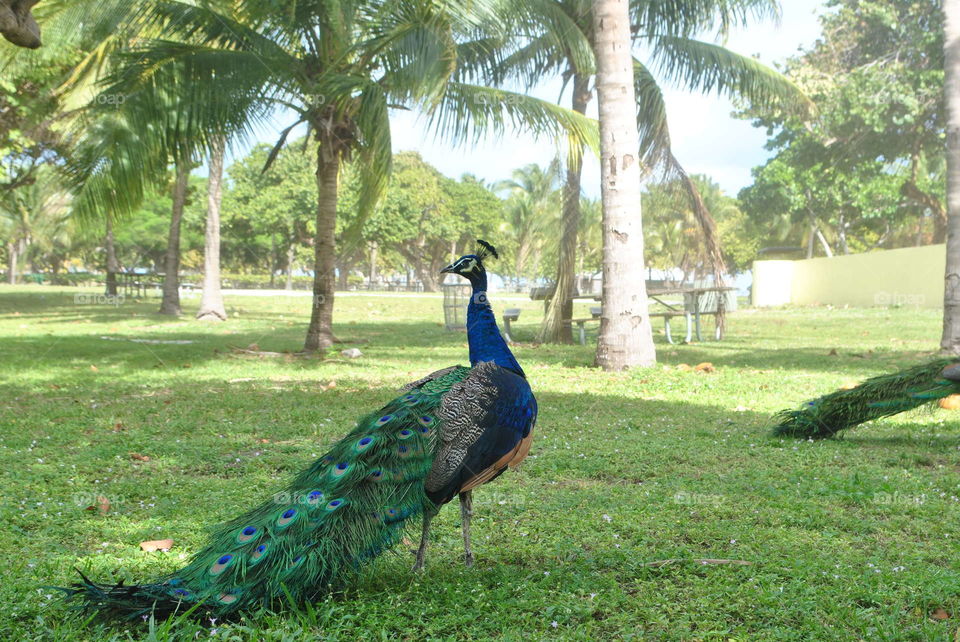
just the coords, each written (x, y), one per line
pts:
(908, 277)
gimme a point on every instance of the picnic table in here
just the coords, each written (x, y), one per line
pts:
(697, 302)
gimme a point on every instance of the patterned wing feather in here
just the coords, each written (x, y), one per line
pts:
(487, 420)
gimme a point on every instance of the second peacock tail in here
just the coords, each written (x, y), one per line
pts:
(877, 397)
(444, 435)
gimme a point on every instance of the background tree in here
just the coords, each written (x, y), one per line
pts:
(554, 36)
(339, 67)
(868, 170)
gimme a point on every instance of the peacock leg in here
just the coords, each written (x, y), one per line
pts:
(422, 551)
(466, 512)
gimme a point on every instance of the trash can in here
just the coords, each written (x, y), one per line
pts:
(456, 296)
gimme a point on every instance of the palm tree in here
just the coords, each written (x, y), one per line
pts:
(211, 302)
(340, 67)
(950, 340)
(625, 335)
(556, 36)
(531, 203)
(34, 218)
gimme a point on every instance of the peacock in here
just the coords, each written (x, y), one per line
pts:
(877, 397)
(446, 434)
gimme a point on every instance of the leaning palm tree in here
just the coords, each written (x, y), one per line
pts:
(340, 66)
(556, 36)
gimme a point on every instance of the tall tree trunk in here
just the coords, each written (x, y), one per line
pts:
(288, 281)
(556, 323)
(13, 256)
(211, 302)
(626, 338)
(950, 340)
(112, 267)
(320, 333)
(170, 304)
(373, 263)
(274, 262)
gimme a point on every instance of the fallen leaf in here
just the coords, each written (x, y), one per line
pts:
(156, 545)
(264, 441)
(940, 613)
(833, 353)
(102, 505)
(684, 367)
(950, 403)
(706, 366)
(94, 368)
(117, 427)
(253, 347)
(139, 457)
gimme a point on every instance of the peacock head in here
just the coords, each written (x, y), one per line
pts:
(470, 266)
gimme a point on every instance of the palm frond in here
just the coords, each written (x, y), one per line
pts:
(706, 67)
(468, 112)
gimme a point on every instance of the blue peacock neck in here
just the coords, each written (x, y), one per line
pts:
(483, 336)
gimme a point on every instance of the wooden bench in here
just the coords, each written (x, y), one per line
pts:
(509, 314)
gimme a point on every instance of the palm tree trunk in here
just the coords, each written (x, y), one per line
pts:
(556, 323)
(170, 304)
(626, 338)
(112, 267)
(950, 340)
(12, 259)
(320, 333)
(211, 303)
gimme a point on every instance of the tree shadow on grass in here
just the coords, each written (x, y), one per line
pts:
(217, 450)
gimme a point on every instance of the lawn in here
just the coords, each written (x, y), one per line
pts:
(844, 539)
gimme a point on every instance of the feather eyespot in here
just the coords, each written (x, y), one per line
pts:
(221, 564)
(247, 534)
(258, 554)
(340, 469)
(335, 504)
(363, 444)
(426, 420)
(314, 498)
(405, 434)
(286, 518)
(228, 598)
(384, 419)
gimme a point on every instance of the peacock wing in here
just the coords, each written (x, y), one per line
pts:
(486, 424)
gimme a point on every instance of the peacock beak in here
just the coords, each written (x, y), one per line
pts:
(450, 269)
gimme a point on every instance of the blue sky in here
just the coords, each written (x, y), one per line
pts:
(706, 139)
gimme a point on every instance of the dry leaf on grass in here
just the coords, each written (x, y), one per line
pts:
(706, 366)
(102, 505)
(139, 457)
(950, 403)
(156, 545)
(940, 614)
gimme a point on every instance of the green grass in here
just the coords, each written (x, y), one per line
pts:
(848, 539)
